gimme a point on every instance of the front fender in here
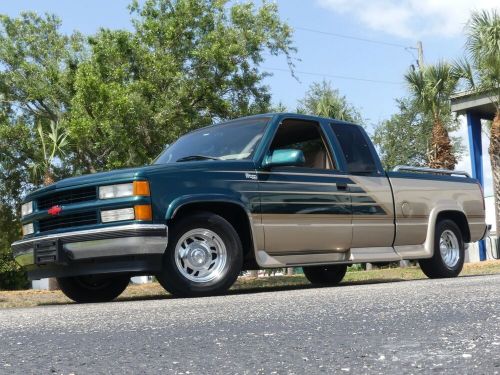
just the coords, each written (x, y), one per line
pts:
(177, 203)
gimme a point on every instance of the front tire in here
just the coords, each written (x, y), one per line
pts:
(325, 275)
(449, 252)
(204, 256)
(93, 288)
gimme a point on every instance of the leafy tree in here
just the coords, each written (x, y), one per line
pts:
(431, 87)
(187, 64)
(404, 138)
(480, 73)
(38, 64)
(322, 100)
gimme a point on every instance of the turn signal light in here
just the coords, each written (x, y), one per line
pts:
(141, 188)
(143, 212)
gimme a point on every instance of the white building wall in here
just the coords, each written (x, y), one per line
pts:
(42, 284)
(490, 212)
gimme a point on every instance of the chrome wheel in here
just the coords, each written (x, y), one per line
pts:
(200, 255)
(450, 248)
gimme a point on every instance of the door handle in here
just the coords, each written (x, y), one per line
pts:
(342, 187)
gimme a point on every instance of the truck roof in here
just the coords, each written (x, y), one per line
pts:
(290, 114)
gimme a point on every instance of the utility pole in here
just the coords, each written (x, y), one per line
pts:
(420, 55)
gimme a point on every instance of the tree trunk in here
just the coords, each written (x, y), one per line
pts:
(441, 153)
(495, 166)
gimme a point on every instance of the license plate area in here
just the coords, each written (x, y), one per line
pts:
(47, 252)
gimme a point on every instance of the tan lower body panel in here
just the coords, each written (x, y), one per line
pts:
(303, 232)
(354, 255)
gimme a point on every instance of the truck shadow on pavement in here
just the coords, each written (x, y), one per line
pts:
(263, 288)
(240, 290)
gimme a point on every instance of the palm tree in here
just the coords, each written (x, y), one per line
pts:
(432, 86)
(480, 71)
(53, 143)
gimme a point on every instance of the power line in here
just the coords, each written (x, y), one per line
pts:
(337, 35)
(335, 76)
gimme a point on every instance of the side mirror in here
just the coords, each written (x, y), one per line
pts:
(284, 158)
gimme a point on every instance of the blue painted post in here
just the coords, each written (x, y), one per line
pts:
(476, 159)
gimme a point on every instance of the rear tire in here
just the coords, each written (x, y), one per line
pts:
(449, 252)
(325, 275)
(204, 256)
(93, 288)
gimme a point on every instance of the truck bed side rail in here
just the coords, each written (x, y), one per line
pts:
(406, 168)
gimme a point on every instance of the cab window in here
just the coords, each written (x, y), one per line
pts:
(355, 148)
(305, 136)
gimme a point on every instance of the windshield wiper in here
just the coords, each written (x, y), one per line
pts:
(197, 157)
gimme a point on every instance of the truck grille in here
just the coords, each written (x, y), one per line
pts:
(67, 197)
(68, 221)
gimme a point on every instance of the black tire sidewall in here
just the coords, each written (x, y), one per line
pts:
(325, 275)
(435, 267)
(172, 279)
(74, 289)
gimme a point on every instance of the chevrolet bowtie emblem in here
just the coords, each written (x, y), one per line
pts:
(55, 210)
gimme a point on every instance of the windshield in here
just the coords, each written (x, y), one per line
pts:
(235, 140)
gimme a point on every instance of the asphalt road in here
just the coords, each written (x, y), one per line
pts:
(427, 326)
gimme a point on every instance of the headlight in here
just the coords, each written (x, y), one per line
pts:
(124, 190)
(28, 229)
(116, 191)
(27, 209)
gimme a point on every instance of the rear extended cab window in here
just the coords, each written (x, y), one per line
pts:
(356, 149)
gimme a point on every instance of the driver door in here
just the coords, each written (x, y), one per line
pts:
(305, 209)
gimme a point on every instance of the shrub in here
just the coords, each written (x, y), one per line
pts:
(12, 277)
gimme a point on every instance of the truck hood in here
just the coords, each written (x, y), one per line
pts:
(129, 174)
(114, 176)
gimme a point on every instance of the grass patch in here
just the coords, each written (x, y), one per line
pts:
(31, 298)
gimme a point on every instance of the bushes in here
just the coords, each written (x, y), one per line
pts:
(12, 277)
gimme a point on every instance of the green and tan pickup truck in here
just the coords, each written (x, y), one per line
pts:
(274, 190)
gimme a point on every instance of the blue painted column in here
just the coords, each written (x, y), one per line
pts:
(476, 159)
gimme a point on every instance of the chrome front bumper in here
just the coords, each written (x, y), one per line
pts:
(124, 240)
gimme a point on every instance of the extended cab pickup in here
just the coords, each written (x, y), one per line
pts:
(274, 190)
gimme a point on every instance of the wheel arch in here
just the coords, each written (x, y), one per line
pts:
(451, 212)
(459, 218)
(234, 211)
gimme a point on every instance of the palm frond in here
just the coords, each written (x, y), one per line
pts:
(462, 70)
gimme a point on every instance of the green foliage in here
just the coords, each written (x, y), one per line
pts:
(483, 47)
(479, 70)
(187, 64)
(11, 275)
(404, 138)
(322, 100)
(432, 86)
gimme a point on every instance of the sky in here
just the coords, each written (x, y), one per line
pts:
(363, 47)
